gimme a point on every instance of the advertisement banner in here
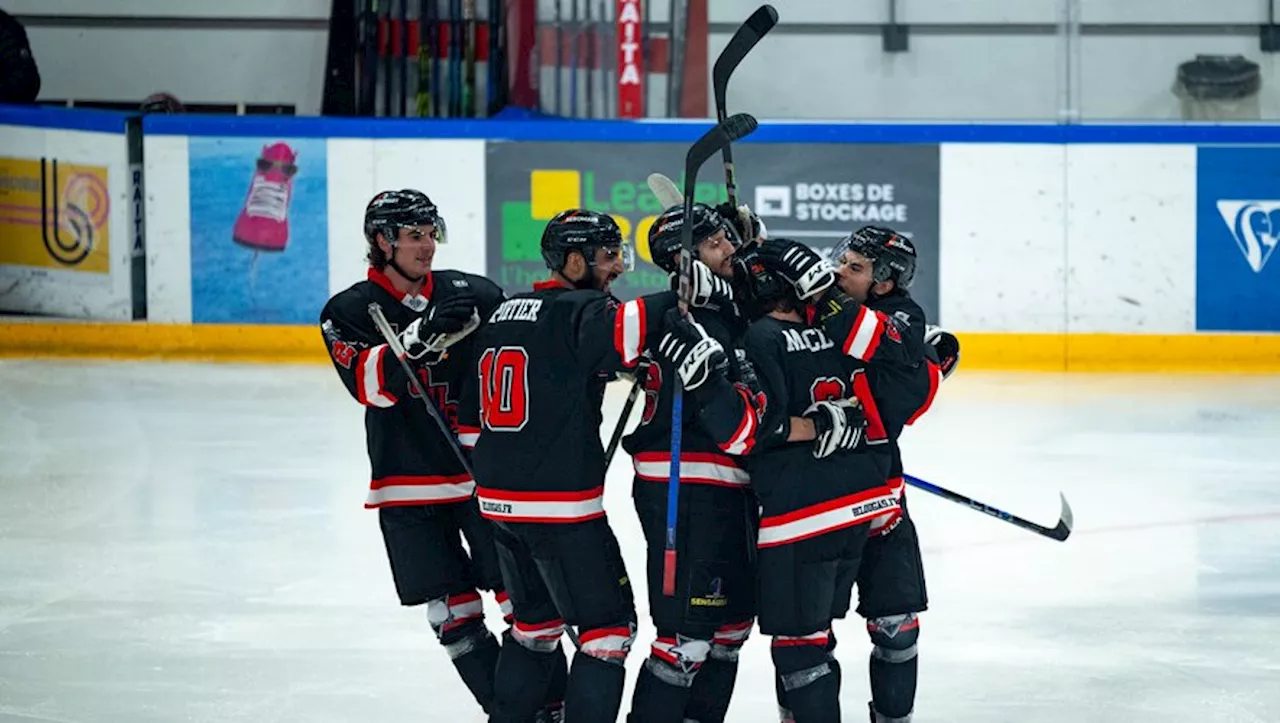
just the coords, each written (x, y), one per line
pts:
(814, 193)
(1237, 228)
(54, 215)
(259, 230)
(630, 72)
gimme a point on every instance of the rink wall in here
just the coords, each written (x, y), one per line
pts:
(1043, 246)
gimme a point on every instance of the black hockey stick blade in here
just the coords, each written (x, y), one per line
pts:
(748, 34)
(1060, 532)
(1066, 521)
(393, 343)
(734, 128)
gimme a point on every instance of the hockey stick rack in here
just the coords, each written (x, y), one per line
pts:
(393, 343)
(1059, 532)
(715, 140)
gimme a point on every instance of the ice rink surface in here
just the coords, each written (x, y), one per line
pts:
(184, 542)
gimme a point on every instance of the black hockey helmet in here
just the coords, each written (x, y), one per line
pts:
(892, 255)
(756, 287)
(582, 231)
(664, 234)
(391, 211)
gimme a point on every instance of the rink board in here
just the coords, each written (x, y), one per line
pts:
(1043, 246)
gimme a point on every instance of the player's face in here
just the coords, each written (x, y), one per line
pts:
(609, 266)
(853, 276)
(415, 249)
(716, 251)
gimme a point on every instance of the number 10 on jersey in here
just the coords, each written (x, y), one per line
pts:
(504, 388)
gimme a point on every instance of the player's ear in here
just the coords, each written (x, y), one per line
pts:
(575, 265)
(883, 287)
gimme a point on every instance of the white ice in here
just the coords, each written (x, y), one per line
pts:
(184, 542)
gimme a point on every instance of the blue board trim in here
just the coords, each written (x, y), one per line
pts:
(687, 131)
(654, 131)
(69, 119)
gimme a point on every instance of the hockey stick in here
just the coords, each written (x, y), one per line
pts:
(642, 371)
(727, 131)
(1059, 532)
(470, 37)
(747, 36)
(393, 343)
(665, 189)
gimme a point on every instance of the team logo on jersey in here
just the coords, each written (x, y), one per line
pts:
(652, 387)
(1255, 226)
(715, 597)
(891, 330)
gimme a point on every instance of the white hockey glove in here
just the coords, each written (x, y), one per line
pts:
(442, 326)
(695, 354)
(706, 289)
(947, 347)
(838, 424)
(808, 272)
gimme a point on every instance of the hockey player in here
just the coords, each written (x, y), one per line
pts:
(693, 663)
(423, 494)
(818, 486)
(545, 357)
(864, 305)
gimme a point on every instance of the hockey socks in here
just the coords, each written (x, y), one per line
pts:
(525, 681)
(595, 689)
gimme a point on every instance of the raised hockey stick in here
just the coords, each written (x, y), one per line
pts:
(747, 36)
(1059, 532)
(393, 343)
(727, 131)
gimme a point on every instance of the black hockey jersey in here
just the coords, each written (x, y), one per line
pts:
(713, 435)
(411, 461)
(544, 359)
(801, 497)
(885, 339)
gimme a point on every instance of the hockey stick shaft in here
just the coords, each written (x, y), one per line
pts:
(1060, 532)
(626, 414)
(393, 343)
(712, 142)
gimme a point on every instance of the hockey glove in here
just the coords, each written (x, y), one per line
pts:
(749, 226)
(706, 289)
(838, 424)
(442, 326)
(800, 265)
(687, 346)
(947, 347)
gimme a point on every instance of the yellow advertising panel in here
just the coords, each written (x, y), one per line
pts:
(54, 215)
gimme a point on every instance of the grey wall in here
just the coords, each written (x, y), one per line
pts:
(979, 59)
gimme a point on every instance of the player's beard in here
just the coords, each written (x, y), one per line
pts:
(416, 264)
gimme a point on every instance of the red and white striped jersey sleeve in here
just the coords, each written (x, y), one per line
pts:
(730, 414)
(368, 370)
(864, 333)
(610, 336)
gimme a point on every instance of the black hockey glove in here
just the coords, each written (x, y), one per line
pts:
(706, 289)
(695, 354)
(808, 272)
(838, 424)
(946, 345)
(443, 325)
(748, 225)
